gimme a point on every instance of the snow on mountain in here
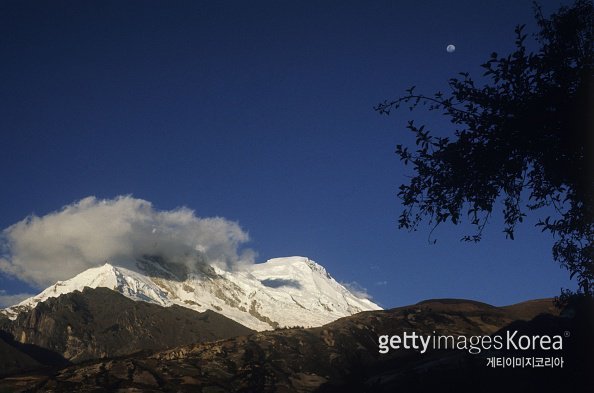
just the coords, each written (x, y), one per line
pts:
(281, 292)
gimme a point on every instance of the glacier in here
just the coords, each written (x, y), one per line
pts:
(281, 292)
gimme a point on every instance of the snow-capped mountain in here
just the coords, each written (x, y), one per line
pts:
(281, 292)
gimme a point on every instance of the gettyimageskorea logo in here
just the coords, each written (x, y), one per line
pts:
(510, 341)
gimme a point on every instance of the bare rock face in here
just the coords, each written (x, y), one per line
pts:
(101, 323)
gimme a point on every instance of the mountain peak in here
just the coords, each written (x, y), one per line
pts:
(295, 261)
(281, 292)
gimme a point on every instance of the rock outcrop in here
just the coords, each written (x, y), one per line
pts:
(101, 323)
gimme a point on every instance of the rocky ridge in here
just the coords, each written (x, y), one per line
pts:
(341, 356)
(101, 323)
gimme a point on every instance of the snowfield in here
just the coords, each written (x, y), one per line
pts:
(282, 292)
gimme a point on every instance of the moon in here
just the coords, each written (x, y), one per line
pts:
(450, 48)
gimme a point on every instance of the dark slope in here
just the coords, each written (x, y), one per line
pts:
(101, 323)
(13, 360)
(339, 357)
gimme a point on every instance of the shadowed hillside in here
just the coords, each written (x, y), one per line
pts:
(341, 356)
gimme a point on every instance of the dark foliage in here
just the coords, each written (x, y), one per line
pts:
(524, 139)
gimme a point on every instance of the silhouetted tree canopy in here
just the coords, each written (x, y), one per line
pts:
(523, 140)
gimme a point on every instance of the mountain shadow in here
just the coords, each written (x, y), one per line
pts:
(281, 282)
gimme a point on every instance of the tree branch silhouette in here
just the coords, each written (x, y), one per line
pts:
(524, 140)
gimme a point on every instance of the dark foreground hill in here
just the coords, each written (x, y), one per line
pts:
(101, 323)
(343, 356)
(13, 360)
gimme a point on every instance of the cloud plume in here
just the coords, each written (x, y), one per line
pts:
(59, 245)
(357, 289)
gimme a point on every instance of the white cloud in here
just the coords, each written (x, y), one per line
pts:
(10, 300)
(59, 245)
(381, 283)
(357, 289)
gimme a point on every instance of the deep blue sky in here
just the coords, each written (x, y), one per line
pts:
(260, 112)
